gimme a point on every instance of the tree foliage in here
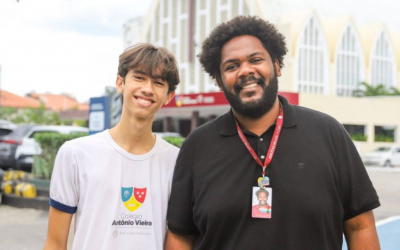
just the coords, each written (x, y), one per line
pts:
(39, 115)
(50, 143)
(378, 90)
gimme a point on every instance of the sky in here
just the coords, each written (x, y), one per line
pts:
(63, 46)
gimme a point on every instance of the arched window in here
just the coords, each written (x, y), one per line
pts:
(383, 65)
(349, 63)
(312, 60)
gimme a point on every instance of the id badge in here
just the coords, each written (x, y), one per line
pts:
(262, 203)
(263, 181)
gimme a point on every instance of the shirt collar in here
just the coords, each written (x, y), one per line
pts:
(228, 125)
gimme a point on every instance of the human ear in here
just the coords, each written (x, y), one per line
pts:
(170, 95)
(277, 68)
(119, 84)
(219, 82)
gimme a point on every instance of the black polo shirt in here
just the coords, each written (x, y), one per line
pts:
(317, 179)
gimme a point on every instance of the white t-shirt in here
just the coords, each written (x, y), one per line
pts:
(120, 199)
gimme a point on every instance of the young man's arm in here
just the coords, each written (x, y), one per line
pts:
(360, 232)
(178, 242)
(58, 229)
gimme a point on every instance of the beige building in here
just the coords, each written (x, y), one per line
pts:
(330, 53)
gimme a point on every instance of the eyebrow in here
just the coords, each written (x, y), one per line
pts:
(155, 77)
(254, 54)
(235, 60)
(229, 61)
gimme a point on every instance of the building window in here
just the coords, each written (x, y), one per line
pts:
(224, 16)
(312, 60)
(246, 10)
(385, 133)
(157, 126)
(203, 4)
(235, 7)
(383, 66)
(184, 8)
(174, 19)
(184, 41)
(348, 63)
(182, 75)
(356, 132)
(165, 35)
(165, 6)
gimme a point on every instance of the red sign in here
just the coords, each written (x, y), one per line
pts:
(215, 98)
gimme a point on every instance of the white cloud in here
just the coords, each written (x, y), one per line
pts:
(63, 46)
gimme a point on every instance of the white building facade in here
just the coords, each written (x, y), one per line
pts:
(329, 54)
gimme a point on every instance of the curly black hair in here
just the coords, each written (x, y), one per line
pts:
(262, 190)
(272, 40)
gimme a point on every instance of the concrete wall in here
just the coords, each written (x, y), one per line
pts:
(371, 112)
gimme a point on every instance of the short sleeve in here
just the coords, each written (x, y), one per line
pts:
(180, 206)
(356, 189)
(64, 181)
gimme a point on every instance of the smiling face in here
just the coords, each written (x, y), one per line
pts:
(143, 95)
(248, 76)
(262, 199)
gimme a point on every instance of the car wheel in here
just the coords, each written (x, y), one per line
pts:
(387, 164)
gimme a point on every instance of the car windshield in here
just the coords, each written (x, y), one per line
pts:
(5, 131)
(19, 132)
(382, 149)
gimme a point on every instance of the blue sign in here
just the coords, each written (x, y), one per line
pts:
(99, 114)
(116, 108)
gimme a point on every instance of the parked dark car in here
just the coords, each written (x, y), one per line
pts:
(6, 127)
(9, 143)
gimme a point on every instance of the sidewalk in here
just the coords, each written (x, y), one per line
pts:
(22, 228)
(26, 229)
(387, 183)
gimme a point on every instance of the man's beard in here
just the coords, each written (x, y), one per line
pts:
(256, 108)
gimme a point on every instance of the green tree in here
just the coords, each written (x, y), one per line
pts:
(394, 91)
(5, 113)
(30, 115)
(378, 90)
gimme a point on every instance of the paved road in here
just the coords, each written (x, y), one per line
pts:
(26, 229)
(22, 229)
(387, 184)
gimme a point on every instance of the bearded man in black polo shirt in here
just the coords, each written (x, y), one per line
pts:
(304, 158)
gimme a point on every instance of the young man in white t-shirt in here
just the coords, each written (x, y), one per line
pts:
(118, 182)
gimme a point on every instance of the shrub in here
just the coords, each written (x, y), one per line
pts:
(383, 138)
(50, 143)
(176, 141)
(358, 137)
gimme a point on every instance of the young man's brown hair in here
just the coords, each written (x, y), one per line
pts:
(157, 63)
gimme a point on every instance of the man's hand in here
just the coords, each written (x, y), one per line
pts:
(360, 232)
(178, 242)
(58, 229)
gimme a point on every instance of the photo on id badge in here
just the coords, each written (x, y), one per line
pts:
(262, 203)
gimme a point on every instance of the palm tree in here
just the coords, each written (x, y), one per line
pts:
(394, 91)
(378, 90)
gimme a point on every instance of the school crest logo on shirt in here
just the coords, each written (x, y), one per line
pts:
(133, 198)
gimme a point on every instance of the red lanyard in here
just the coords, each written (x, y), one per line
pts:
(272, 145)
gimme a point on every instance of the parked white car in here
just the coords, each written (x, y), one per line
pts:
(29, 147)
(385, 156)
(358, 147)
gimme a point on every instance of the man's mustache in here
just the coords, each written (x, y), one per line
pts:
(244, 81)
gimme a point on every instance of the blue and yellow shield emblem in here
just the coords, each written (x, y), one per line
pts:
(133, 198)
